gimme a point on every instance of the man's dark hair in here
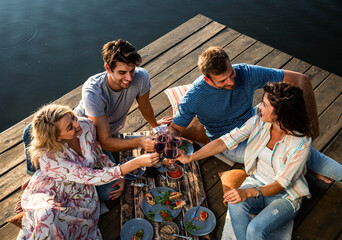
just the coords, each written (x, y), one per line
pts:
(120, 51)
(288, 103)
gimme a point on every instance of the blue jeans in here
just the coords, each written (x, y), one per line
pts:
(102, 190)
(273, 212)
(318, 162)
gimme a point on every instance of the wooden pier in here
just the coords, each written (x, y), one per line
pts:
(172, 61)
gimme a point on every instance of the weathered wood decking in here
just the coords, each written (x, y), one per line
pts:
(172, 61)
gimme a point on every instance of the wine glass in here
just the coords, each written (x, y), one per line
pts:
(176, 139)
(160, 142)
(171, 152)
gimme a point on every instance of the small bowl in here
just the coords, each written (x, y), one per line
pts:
(171, 224)
(178, 168)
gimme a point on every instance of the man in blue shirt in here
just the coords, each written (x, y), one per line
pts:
(222, 99)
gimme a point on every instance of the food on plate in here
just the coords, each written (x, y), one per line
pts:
(166, 230)
(150, 215)
(175, 195)
(203, 215)
(166, 161)
(166, 215)
(138, 235)
(149, 198)
(175, 174)
(191, 226)
(184, 147)
(163, 198)
(177, 205)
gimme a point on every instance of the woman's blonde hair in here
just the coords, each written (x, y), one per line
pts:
(45, 131)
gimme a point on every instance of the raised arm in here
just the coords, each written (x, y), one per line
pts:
(146, 109)
(303, 82)
(112, 144)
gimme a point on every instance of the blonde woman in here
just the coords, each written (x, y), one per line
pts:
(60, 201)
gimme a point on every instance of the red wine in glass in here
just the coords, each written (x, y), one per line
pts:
(175, 142)
(159, 147)
(171, 152)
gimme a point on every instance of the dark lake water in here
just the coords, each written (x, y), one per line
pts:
(48, 48)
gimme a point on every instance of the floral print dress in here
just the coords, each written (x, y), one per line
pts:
(61, 201)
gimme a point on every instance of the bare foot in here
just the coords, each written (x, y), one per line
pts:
(322, 178)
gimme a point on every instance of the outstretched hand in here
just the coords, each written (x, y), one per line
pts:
(165, 120)
(149, 159)
(183, 158)
(117, 193)
(147, 143)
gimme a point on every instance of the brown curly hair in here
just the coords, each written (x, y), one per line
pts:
(120, 51)
(289, 107)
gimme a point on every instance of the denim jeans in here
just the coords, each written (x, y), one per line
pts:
(102, 190)
(273, 212)
(318, 162)
(283, 233)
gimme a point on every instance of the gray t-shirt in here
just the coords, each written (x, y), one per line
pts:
(98, 99)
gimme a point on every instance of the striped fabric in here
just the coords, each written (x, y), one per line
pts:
(174, 94)
(288, 159)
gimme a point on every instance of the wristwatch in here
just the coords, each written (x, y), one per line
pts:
(259, 195)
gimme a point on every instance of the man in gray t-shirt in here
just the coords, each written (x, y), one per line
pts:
(108, 96)
(99, 99)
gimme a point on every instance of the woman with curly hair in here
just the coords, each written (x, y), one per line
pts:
(277, 150)
(60, 201)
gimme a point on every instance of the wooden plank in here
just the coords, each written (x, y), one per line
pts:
(219, 226)
(238, 46)
(330, 123)
(109, 223)
(324, 221)
(9, 232)
(12, 180)
(334, 150)
(210, 170)
(12, 158)
(327, 92)
(7, 207)
(316, 75)
(172, 38)
(170, 57)
(276, 59)
(297, 65)
(254, 54)
(215, 200)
